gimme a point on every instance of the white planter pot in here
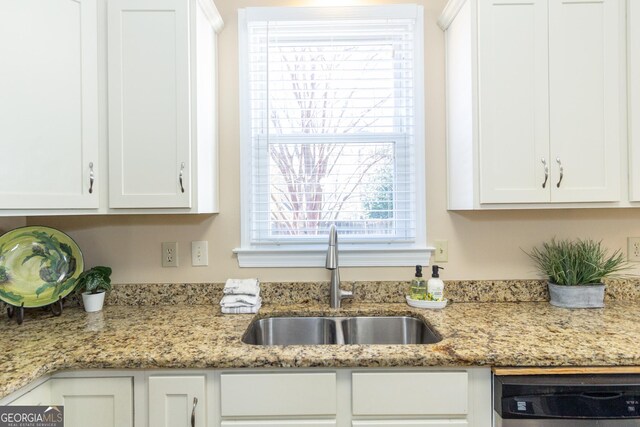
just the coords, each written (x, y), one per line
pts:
(92, 302)
(578, 296)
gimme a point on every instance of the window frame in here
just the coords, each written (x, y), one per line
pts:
(360, 253)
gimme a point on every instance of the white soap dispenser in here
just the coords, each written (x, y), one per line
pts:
(435, 286)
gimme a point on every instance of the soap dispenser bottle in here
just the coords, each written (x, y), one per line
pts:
(418, 288)
(435, 286)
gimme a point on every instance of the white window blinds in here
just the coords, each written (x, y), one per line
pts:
(331, 121)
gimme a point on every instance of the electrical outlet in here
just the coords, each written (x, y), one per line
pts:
(633, 249)
(169, 254)
(199, 253)
(442, 251)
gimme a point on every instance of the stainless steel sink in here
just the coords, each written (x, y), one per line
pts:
(339, 330)
(291, 331)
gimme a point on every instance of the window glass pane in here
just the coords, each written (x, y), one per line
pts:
(315, 185)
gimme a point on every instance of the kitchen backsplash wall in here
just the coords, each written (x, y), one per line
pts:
(482, 245)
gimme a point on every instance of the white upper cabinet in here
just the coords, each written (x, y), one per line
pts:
(586, 60)
(535, 103)
(514, 102)
(633, 48)
(108, 106)
(162, 104)
(48, 104)
(149, 151)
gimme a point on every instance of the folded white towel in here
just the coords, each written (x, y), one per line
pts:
(241, 310)
(240, 301)
(242, 287)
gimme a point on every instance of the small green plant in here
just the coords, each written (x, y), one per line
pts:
(95, 280)
(577, 262)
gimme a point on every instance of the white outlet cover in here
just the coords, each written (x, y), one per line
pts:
(169, 254)
(633, 249)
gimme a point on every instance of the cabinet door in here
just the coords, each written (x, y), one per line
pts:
(149, 135)
(175, 401)
(49, 105)
(278, 394)
(514, 103)
(585, 61)
(98, 402)
(634, 98)
(409, 393)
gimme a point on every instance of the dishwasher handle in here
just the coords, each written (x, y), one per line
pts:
(601, 395)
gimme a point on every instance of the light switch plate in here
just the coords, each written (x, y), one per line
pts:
(442, 251)
(199, 253)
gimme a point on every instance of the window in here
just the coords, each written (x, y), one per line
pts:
(331, 133)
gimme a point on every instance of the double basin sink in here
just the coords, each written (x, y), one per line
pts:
(339, 330)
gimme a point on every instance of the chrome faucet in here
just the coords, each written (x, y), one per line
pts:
(336, 295)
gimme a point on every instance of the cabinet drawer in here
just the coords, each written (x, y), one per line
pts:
(410, 393)
(278, 394)
(280, 423)
(412, 423)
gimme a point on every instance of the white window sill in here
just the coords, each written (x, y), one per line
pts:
(297, 256)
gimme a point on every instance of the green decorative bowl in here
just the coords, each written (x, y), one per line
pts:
(38, 265)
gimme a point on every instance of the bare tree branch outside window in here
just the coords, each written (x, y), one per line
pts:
(326, 101)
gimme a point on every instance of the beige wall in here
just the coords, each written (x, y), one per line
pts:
(482, 245)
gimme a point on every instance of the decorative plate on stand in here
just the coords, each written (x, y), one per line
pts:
(38, 266)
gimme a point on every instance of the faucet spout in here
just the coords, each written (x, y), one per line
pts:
(336, 295)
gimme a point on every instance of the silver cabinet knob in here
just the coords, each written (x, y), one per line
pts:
(546, 173)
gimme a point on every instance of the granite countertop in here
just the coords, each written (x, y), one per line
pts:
(198, 336)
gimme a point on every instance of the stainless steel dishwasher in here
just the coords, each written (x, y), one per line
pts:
(566, 400)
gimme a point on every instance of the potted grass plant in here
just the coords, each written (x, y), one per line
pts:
(93, 284)
(575, 269)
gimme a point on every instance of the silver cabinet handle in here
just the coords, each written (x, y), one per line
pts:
(91, 177)
(561, 172)
(193, 412)
(546, 173)
(180, 179)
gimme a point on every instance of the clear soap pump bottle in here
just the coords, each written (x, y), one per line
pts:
(418, 290)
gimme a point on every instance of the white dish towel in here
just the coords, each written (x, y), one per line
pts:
(240, 301)
(241, 310)
(241, 296)
(242, 287)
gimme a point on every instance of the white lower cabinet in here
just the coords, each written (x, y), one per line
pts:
(411, 423)
(276, 394)
(40, 395)
(311, 395)
(425, 397)
(99, 402)
(409, 393)
(279, 423)
(177, 401)
(363, 397)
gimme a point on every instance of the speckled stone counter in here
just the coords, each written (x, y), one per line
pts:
(374, 292)
(198, 336)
